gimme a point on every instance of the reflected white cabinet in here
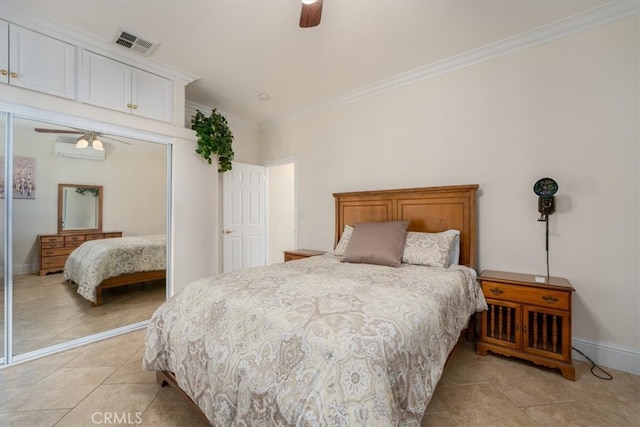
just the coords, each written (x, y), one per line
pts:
(117, 86)
(34, 61)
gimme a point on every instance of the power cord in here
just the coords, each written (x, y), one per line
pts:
(609, 377)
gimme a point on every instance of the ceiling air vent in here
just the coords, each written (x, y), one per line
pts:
(134, 43)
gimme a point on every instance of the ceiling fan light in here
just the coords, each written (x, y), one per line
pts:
(82, 143)
(308, 1)
(97, 145)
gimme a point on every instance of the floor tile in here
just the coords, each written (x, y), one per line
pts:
(64, 388)
(31, 418)
(112, 404)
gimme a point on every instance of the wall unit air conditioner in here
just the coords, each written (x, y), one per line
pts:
(63, 149)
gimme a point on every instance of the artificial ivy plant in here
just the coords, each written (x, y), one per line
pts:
(214, 137)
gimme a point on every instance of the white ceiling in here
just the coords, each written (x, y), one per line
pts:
(241, 48)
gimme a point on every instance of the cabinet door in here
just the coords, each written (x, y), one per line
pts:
(106, 83)
(501, 323)
(41, 63)
(547, 332)
(151, 95)
(4, 52)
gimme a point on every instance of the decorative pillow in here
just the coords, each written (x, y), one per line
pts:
(344, 241)
(455, 250)
(432, 249)
(378, 243)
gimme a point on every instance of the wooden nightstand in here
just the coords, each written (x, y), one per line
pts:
(300, 254)
(527, 319)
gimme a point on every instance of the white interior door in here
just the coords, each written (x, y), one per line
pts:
(244, 217)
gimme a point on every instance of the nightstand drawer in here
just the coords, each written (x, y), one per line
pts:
(526, 295)
(293, 257)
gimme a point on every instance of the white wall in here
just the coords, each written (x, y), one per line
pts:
(566, 109)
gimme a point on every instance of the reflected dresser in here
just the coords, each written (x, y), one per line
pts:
(55, 248)
(527, 319)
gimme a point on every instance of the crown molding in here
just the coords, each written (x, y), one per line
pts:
(592, 18)
(52, 28)
(191, 107)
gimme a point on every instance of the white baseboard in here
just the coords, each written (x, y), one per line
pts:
(608, 355)
(22, 269)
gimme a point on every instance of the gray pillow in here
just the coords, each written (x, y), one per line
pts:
(380, 243)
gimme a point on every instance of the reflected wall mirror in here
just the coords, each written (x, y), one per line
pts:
(79, 208)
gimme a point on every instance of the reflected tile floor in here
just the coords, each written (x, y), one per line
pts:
(103, 384)
(48, 310)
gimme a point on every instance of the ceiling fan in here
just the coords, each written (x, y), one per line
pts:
(311, 13)
(85, 138)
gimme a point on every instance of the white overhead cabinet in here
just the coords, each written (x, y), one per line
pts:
(34, 61)
(117, 86)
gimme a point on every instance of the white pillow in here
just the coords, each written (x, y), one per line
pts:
(455, 250)
(344, 241)
(431, 249)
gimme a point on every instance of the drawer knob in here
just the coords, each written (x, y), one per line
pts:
(550, 299)
(496, 291)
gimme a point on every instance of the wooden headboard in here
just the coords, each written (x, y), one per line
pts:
(430, 209)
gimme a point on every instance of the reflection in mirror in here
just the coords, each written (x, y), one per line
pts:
(79, 208)
(130, 177)
(3, 129)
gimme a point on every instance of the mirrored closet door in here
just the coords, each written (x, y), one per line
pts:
(78, 193)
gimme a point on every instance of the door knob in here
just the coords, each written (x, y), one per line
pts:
(227, 231)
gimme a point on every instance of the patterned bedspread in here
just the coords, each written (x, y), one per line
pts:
(314, 342)
(96, 260)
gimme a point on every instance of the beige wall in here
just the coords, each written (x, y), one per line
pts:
(566, 109)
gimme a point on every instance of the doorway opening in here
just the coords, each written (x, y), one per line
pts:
(282, 209)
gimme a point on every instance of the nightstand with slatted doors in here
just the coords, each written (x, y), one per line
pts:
(527, 319)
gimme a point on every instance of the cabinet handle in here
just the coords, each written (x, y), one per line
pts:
(129, 105)
(3, 72)
(550, 299)
(135, 107)
(497, 291)
(14, 75)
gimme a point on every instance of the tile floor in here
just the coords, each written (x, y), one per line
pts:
(94, 384)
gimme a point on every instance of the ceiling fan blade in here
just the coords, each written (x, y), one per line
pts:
(310, 14)
(43, 130)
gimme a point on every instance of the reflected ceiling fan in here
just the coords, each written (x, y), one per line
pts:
(311, 13)
(85, 138)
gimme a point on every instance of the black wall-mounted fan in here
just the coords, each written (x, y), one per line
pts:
(311, 13)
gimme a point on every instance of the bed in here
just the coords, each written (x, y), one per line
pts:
(107, 263)
(319, 341)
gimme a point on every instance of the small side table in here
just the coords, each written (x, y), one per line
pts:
(300, 254)
(527, 319)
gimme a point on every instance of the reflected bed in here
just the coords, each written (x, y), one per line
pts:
(100, 264)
